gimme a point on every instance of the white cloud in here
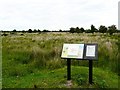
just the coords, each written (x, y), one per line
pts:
(57, 14)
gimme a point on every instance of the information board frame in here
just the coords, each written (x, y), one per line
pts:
(74, 57)
(91, 57)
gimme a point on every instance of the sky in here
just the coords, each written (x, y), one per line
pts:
(57, 14)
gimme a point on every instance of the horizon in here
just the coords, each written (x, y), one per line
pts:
(59, 29)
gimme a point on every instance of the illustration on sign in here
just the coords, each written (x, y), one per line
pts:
(72, 51)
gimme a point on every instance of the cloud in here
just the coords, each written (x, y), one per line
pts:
(56, 14)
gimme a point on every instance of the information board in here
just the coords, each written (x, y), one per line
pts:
(80, 51)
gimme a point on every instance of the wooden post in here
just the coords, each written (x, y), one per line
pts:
(68, 69)
(90, 72)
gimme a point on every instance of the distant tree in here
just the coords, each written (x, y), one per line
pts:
(60, 30)
(39, 31)
(72, 30)
(112, 29)
(87, 31)
(14, 30)
(30, 31)
(35, 30)
(45, 30)
(102, 29)
(93, 29)
(23, 31)
(77, 30)
(82, 29)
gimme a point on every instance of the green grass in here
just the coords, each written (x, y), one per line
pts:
(58, 78)
(31, 54)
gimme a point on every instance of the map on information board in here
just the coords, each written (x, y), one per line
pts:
(73, 51)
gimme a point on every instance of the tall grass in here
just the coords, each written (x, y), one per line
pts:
(31, 52)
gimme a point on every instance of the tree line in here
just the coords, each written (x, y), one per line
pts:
(102, 29)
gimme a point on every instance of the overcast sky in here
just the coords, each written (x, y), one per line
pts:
(57, 14)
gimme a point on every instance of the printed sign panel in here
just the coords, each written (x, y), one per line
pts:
(73, 51)
(91, 52)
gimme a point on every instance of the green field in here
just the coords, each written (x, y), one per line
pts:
(35, 59)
